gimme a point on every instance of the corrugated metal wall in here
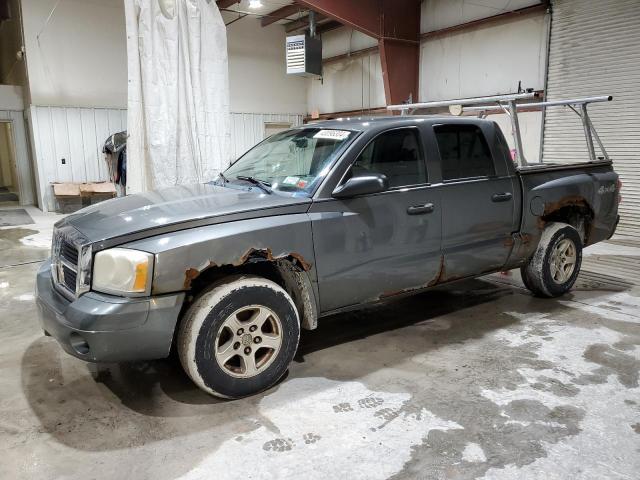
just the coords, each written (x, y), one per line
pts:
(595, 50)
(23, 161)
(75, 135)
(247, 129)
(78, 134)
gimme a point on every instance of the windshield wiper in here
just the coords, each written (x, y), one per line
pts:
(224, 179)
(266, 186)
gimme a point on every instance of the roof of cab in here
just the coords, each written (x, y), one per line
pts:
(375, 123)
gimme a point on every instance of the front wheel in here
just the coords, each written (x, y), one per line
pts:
(555, 265)
(239, 336)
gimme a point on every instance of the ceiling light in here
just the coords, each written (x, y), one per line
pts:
(255, 4)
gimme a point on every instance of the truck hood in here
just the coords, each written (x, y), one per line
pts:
(161, 209)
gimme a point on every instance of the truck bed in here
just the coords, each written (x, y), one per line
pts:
(543, 167)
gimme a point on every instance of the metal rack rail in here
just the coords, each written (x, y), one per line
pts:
(509, 105)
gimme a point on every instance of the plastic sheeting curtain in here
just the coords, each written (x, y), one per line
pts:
(178, 106)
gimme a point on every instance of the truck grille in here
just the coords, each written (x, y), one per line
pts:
(69, 252)
(64, 262)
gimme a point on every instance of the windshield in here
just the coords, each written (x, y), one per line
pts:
(291, 161)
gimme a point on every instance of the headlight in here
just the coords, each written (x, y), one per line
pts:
(122, 271)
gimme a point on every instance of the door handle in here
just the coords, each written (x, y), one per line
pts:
(420, 209)
(501, 197)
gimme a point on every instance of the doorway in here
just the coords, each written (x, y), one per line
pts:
(8, 168)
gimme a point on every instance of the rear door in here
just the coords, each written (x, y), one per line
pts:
(478, 192)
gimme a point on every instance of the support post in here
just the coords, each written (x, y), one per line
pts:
(515, 130)
(586, 124)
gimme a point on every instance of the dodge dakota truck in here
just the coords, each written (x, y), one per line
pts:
(314, 220)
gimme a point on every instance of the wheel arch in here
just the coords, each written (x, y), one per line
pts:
(290, 271)
(572, 210)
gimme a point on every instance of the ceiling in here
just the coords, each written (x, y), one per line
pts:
(275, 12)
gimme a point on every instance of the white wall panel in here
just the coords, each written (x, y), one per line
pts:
(485, 60)
(349, 84)
(258, 80)
(77, 135)
(76, 52)
(345, 40)
(530, 129)
(438, 14)
(248, 129)
(89, 142)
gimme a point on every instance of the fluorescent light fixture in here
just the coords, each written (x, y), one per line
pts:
(255, 4)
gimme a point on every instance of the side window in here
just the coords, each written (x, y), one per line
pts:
(464, 152)
(396, 154)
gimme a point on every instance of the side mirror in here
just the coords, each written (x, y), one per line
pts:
(365, 185)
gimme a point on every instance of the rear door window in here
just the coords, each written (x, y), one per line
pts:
(464, 152)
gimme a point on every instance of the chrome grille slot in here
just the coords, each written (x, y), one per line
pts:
(65, 261)
(69, 252)
(69, 278)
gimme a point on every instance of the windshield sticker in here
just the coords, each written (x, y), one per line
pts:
(332, 134)
(301, 184)
(291, 180)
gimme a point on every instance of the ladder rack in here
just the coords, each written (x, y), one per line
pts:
(508, 104)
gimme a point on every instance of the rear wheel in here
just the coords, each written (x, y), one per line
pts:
(555, 265)
(239, 336)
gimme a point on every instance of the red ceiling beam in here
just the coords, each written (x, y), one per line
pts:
(396, 26)
(359, 14)
(279, 14)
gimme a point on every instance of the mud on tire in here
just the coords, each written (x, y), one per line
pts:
(238, 336)
(549, 272)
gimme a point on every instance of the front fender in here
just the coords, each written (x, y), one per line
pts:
(183, 255)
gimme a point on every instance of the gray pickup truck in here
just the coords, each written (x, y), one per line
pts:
(312, 221)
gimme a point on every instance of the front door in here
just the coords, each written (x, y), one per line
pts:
(374, 246)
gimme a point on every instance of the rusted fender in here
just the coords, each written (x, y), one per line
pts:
(184, 255)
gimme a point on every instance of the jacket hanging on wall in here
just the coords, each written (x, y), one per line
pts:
(178, 106)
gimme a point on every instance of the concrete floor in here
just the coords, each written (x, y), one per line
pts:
(479, 380)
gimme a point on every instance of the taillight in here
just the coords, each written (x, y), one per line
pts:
(619, 188)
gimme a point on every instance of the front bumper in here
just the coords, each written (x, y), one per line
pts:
(104, 328)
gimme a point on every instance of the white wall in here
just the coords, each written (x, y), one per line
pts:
(78, 83)
(484, 60)
(77, 136)
(248, 129)
(257, 71)
(438, 14)
(77, 57)
(530, 130)
(11, 97)
(487, 60)
(349, 84)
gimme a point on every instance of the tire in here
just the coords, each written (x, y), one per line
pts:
(227, 314)
(543, 275)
